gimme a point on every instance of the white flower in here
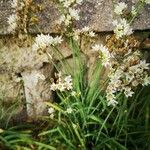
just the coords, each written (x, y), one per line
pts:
(52, 116)
(128, 92)
(67, 20)
(135, 83)
(111, 99)
(12, 21)
(92, 34)
(67, 3)
(111, 88)
(134, 11)
(68, 86)
(69, 110)
(43, 41)
(112, 102)
(73, 93)
(74, 13)
(57, 40)
(51, 110)
(96, 47)
(106, 58)
(68, 82)
(146, 81)
(62, 19)
(135, 69)
(103, 48)
(122, 28)
(62, 84)
(115, 82)
(76, 35)
(53, 87)
(116, 75)
(68, 79)
(144, 65)
(61, 87)
(85, 29)
(120, 7)
(105, 55)
(129, 77)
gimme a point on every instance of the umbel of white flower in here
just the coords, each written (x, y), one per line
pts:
(70, 12)
(62, 84)
(120, 7)
(104, 54)
(122, 28)
(125, 82)
(51, 112)
(43, 41)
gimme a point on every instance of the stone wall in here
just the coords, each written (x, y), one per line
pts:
(22, 70)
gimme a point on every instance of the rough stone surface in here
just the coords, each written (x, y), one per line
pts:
(10, 90)
(19, 62)
(98, 14)
(36, 92)
(5, 11)
(19, 58)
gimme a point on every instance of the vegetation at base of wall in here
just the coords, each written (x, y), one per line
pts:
(118, 128)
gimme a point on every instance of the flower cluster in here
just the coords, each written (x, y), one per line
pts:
(134, 11)
(51, 112)
(104, 54)
(120, 7)
(62, 84)
(69, 110)
(70, 13)
(43, 41)
(122, 27)
(127, 69)
(126, 80)
(84, 31)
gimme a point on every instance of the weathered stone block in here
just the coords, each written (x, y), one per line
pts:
(97, 14)
(18, 56)
(37, 91)
(19, 62)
